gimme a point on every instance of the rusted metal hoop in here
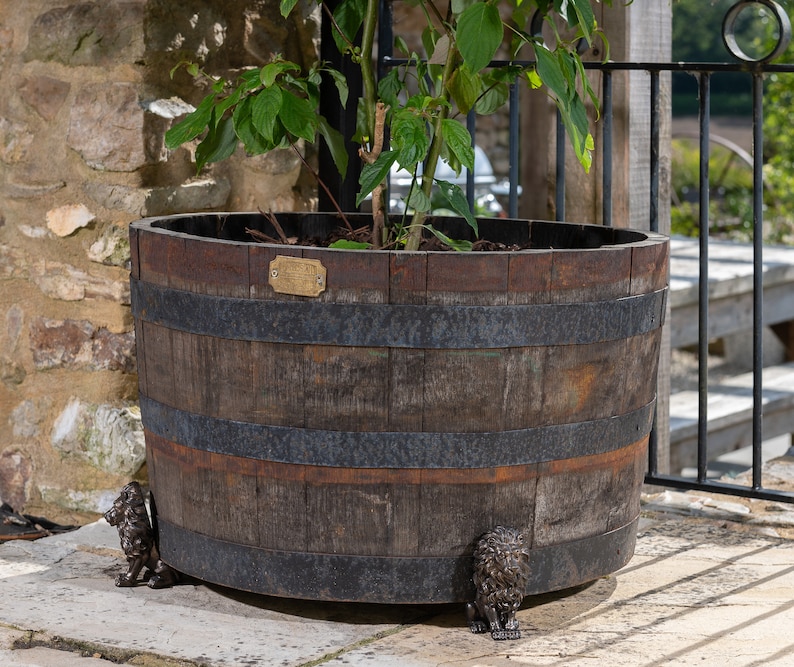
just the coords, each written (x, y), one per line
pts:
(729, 24)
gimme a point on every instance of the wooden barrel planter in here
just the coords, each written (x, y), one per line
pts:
(354, 444)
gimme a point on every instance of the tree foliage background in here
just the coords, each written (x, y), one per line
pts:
(697, 37)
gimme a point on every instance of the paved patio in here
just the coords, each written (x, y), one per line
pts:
(711, 583)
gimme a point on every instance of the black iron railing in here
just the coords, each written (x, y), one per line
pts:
(757, 69)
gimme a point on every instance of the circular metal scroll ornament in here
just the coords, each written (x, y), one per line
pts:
(729, 29)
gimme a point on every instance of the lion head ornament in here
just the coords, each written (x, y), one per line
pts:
(501, 572)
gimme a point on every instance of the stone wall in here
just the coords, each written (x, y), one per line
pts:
(87, 98)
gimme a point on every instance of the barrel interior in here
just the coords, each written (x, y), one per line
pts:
(366, 470)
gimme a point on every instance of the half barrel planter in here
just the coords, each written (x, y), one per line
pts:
(353, 445)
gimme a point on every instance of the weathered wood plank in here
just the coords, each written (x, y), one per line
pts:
(165, 472)
(589, 275)
(730, 288)
(464, 390)
(234, 495)
(278, 384)
(467, 279)
(205, 268)
(159, 363)
(358, 277)
(730, 413)
(346, 388)
(281, 507)
(577, 498)
(529, 277)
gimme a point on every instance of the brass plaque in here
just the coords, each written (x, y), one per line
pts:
(298, 276)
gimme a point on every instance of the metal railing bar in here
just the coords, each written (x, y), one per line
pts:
(645, 66)
(512, 202)
(653, 214)
(606, 140)
(758, 273)
(471, 126)
(703, 280)
(720, 487)
(655, 142)
(559, 188)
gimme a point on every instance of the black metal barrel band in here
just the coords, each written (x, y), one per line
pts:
(368, 449)
(381, 579)
(401, 326)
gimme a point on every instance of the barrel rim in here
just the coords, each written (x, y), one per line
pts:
(622, 237)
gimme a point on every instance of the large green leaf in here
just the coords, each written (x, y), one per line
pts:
(348, 16)
(287, 6)
(227, 103)
(418, 200)
(465, 87)
(191, 125)
(409, 137)
(265, 106)
(269, 73)
(494, 98)
(336, 144)
(345, 244)
(253, 141)
(298, 116)
(389, 87)
(457, 201)
(550, 72)
(460, 246)
(459, 142)
(479, 35)
(372, 175)
(585, 16)
(341, 85)
(220, 143)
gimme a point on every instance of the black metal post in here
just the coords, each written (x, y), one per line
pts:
(559, 194)
(758, 272)
(703, 282)
(606, 204)
(344, 190)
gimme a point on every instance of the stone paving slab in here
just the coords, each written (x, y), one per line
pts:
(704, 590)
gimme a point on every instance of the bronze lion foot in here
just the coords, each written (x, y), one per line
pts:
(501, 572)
(128, 514)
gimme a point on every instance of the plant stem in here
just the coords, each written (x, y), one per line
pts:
(414, 236)
(378, 203)
(368, 75)
(322, 184)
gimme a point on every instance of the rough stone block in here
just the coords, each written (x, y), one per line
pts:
(67, 283)
(15, 141)
(31, 190)
(15, 473)
(108, 437)
(200, 195)
(89, 33)
(98, 501)
(25, 420)
(12, 374)
(45, 95)
(77, 344)
(112, 248)
(110, 130)
(12, 262)
(66, 220)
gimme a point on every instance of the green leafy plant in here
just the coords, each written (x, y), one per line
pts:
(417, 103)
